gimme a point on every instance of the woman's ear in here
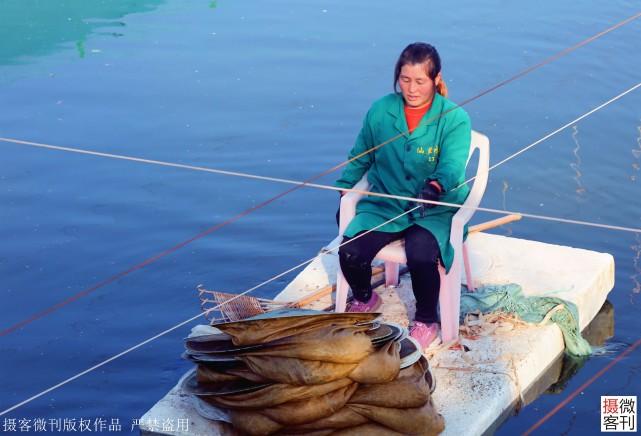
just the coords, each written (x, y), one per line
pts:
(437, 79)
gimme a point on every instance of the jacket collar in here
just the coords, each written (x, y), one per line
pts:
(397, 110)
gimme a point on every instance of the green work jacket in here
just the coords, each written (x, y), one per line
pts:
(436, 150)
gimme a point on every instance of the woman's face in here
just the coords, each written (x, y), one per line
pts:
(416, 86)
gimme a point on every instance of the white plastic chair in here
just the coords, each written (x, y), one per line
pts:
(394, 253)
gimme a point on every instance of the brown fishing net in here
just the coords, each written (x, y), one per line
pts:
(419, 420)
(403, 406)
(314, 375)
(338, 344)
(379, 366)
(293, 328)
(344, 418)
(298, 371)
(369, 429)
(292, 413)
(275, 394)
(409, 389)
(207, 374)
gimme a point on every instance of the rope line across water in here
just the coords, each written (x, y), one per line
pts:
(584, 386)
(300, 184)
(187, 321)
(211, 229)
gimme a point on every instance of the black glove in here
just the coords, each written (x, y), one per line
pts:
(429, 192)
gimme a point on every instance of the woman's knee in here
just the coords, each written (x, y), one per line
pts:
(421, 248)
(351, 255)
(423, 258)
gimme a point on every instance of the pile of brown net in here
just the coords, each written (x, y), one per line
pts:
(315, 374)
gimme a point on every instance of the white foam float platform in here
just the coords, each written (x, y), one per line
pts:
(477, 389)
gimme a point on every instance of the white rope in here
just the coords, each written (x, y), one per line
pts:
(314, 185)
(150, 161)
(171, 329)
(103, 363)
(114, 156)
(376, 194)
(551, 134)
(294, 182)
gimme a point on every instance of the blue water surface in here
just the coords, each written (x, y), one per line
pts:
(275, 88)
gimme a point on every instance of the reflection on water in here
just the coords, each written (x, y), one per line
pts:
(35, 28)
(80, 47)
(507, 227)
(610, 350)
(636, 248)
(601, 328)
(576, 166)
(636, 153)
(555, 379)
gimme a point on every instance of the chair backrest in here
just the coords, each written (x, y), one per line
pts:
(481, 143)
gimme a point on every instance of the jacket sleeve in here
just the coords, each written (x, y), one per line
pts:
(455, 147)
(355, 169)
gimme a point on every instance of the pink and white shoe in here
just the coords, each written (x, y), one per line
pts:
(424, 334)
(370, 306)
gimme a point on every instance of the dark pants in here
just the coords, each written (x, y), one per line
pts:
(423, 255)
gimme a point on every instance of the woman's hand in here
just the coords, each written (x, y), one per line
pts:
(431, 191)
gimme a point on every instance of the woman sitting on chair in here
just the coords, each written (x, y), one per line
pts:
(427, 161)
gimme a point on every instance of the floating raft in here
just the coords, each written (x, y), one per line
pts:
(476, 389)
